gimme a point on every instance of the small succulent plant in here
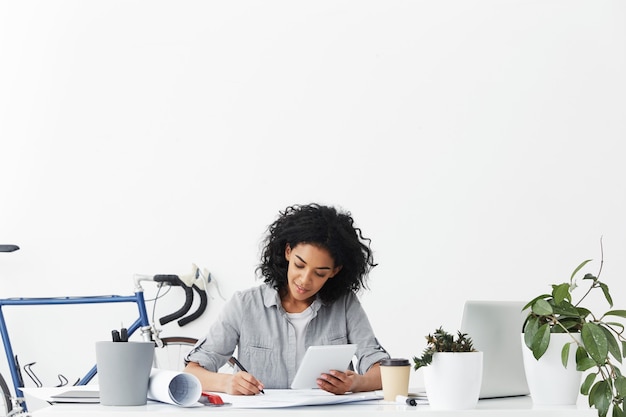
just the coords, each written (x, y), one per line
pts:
(442, 341)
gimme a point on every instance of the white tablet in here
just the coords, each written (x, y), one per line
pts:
(319, 360)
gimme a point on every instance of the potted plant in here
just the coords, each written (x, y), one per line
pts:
(594, 341)
(452, 370)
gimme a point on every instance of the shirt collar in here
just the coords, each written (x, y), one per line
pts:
(271, 298)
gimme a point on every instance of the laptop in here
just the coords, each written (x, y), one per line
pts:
(495, 328)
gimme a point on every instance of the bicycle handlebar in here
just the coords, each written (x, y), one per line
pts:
(170, 279)
(174, 280)
(199, 311)
(8, 248)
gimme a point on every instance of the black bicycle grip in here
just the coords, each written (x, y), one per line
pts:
(200, 309)
(183, 310)
(170, 279)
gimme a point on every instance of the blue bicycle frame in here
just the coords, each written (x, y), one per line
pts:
(141, 323)
(148, 332)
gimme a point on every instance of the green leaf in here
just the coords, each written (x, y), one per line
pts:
(612, 343)
(565, 354)
(565, 308)
(531, 302)
(542, 308)
(583, 361)
(618, 411)
(623, 349)
(561, 293)
(540, 342)
(595, 342)
(585, 364)
(607, 295)
(618, 313)
(573, 325)
(587, 383)
(583, 312)
(530, 330)
(615, 324)
(620, 385)
(578, 268)
(600, 397)
(592, 393)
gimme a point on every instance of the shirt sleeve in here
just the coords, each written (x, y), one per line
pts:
(220, 342)
(369, 351)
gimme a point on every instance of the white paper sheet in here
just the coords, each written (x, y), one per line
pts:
(279, 398)
(186, 395)
(173, 387)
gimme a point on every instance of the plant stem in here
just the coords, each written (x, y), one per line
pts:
(619, 334)
(556, 321)
(601, 258)
(595, 281)
(583, 297)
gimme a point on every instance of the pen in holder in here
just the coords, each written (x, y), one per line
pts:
(121, 336)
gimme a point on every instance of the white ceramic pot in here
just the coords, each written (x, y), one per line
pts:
(549, 382)
(453, 380)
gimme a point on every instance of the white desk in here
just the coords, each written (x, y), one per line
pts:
(517, 407)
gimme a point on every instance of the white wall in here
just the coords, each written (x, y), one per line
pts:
(478, 143)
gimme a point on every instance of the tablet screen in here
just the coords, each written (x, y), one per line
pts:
(318, 360)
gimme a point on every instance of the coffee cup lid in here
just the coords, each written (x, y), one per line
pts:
(395, 362)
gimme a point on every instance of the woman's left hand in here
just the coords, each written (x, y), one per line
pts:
(337, 382)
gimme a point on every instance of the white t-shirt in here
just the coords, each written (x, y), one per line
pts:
(299, 322)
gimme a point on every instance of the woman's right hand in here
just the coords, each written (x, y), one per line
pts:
(242, 383)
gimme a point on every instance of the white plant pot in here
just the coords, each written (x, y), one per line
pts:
(549, 382)
(453, 380)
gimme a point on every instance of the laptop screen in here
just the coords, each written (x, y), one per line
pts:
(496, 327)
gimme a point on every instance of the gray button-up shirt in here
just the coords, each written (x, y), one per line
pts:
(255, 323)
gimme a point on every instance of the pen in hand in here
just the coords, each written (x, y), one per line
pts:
(241, 368)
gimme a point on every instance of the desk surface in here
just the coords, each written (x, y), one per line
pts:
(518, 407)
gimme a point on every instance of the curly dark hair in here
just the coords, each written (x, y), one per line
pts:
(325, 227)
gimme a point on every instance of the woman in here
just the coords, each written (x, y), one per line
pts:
(313, 263)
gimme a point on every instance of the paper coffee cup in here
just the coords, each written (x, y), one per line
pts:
(395, 373)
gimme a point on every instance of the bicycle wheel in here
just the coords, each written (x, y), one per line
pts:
(5, 401)
(171, 356)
